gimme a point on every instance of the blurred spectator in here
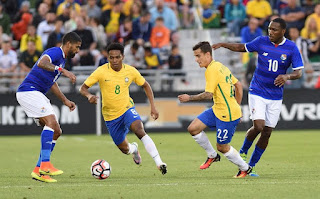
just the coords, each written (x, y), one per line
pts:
(308, 7)
(152, 60)
(185, 6)
(251, 31)
(93, 10)
(310, 30)
(315, 17)
(293, 15)
(46, 27)
(107, 4)
(104, 58)
(175, 59)
(261, 10)
(84, 15)
(161, 10)
(8, 57)
(55, 37)
(124, 34)
(235, 14)
(65, 16)
(71, 24)
(128, 5)
(20, 28)
(40, 15)
(134, 55)
(111, 20)
(88, 50)
(24, 8)
(141, 27)
(29, 57)
(98, 31)
(4, 20)
(135, 11)
(51, 5)
(10, 7)
(74, 6)
(303, 47)
(160, 35)
(31, 36)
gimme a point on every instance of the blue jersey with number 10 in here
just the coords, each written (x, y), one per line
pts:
(40, 79)
(273, 60)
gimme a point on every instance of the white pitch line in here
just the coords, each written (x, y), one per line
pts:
(235, 182)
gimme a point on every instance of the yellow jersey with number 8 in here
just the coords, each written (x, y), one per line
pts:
(114, 88)
(220, 82)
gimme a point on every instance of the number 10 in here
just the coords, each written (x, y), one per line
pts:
(273, 65)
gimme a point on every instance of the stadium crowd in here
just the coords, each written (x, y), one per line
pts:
(149, 29)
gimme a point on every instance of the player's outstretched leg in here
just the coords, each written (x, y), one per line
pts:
(202, 139)
(135, 153)
(153, 151)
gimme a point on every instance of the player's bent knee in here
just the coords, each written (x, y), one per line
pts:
(223, 148)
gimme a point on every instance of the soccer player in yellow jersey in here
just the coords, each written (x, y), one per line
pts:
(224, 115)
(118, 109)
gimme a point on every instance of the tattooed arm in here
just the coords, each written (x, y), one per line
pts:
(199, 97)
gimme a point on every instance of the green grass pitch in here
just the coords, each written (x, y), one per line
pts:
(288, 169)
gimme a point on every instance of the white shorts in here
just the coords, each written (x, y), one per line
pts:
(265, 109)
(35, 104)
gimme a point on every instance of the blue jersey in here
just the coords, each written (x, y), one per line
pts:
(40, 79)
(273, 60)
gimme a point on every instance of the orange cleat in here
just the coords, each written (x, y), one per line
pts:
(209, 161)
(242, 174)
(43, 178)
(46, 168)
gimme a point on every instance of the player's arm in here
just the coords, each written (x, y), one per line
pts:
(57, 92)
(237, 47)
(45, 63)
(238, 92)
(281, 79)
(85, 92)
(199, 97)
(148, 90)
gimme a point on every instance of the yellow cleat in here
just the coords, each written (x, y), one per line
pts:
(42, 178)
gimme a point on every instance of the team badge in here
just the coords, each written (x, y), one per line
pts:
(126, 79)
(283, 57)
(43, 110)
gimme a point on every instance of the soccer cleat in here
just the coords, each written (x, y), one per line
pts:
(163, 168)
(242, 174)
(42, 178)
(253, 173)
(209, 161)
(136, 156)
(54, 171)
(243, 156)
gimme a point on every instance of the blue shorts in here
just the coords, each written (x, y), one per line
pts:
(225, 130)
(119, 128)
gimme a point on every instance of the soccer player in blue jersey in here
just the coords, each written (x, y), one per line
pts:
(31, 97)
(275, 55)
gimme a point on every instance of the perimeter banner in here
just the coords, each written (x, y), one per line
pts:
(300, 110)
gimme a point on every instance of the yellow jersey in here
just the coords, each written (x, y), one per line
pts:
(220, 82)
(259, 9)
(114, 87)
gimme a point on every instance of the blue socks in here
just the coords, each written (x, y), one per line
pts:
(256, 155)
(52, 147)
(46, 145)
(246, 146)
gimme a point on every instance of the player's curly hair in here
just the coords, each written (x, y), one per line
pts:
(115, 46)
(204, 47)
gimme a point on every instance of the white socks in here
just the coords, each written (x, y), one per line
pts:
(151, 149)
(132, 149)
(233, 156)
(204, 142)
